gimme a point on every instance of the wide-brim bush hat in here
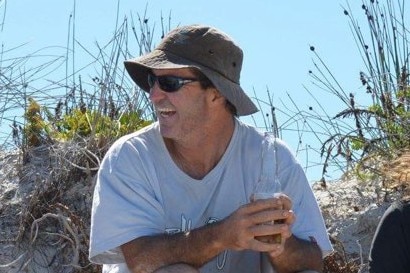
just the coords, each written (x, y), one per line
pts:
(205, 48)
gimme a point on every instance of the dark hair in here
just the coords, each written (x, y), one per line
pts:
(206, 83)
(203, 80)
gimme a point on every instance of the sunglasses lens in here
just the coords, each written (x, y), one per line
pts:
(169, 83)
(151, 80)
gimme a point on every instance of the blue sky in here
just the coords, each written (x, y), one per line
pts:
(274, 35)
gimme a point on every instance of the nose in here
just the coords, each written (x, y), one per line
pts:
(156, 94)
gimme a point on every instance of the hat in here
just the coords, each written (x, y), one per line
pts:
(202, 47)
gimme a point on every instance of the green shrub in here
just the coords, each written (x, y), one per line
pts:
(79, 123)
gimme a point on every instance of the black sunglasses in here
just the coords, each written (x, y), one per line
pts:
(168, 83)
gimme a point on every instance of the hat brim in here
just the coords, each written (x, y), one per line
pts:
(138, 68)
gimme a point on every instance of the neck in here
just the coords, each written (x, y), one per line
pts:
(198, 156)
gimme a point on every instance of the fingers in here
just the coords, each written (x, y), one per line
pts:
(263, 204)
(266, 246)
(281, 201)
(274, 242)
(272, 233)
(247, 227)
(276, 251)
(289, 217)
(272, 209)
(280, 218)
(285, 201)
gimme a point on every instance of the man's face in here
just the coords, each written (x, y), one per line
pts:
(182, 114)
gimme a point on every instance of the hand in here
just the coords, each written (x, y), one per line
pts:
(238, 231)
(288, 218)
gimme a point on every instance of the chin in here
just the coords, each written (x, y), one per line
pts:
(166, 132)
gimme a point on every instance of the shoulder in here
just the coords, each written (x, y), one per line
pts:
(397, 211)
(285, 156)
(284, 150)
(247, 131)
(246, 138)
(141, 136)
(252, 138)
(135, 143)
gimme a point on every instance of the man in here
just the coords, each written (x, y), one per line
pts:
(176, 196)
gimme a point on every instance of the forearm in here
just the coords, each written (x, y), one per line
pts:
(236, 232)
(298, 255)
(147, 254)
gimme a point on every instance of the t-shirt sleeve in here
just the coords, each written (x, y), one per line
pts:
(309, 223)
(125, 204)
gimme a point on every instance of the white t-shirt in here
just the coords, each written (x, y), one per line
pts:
(140, 191)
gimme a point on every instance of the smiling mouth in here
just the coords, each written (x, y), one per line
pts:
(165, 112)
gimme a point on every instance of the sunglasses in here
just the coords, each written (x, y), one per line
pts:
(168, 83)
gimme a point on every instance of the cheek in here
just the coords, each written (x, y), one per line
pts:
(193, 106)
(194, 114)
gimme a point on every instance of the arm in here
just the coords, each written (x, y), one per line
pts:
(298, 255)
(147, 254)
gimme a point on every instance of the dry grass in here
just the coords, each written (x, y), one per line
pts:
(53, 204)
(396, 174)
(338, 263)
(397, 171)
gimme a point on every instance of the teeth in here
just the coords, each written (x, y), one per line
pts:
(165, 111)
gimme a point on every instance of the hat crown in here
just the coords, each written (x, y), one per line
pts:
(207, 47)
